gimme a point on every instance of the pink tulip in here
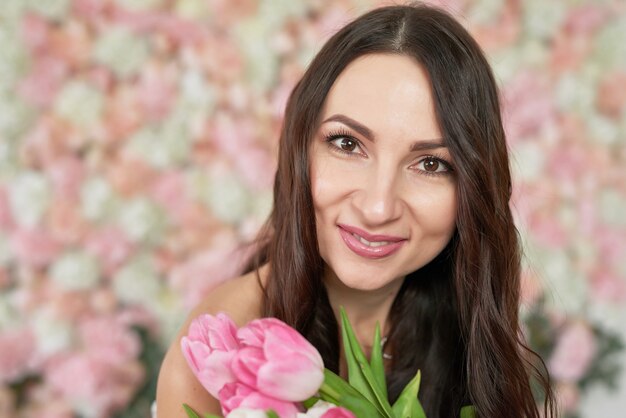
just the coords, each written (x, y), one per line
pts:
(278, 361)
(264, 365)
(238, 395)
(209, 348)
(338, 412)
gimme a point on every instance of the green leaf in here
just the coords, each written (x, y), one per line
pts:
(335, 387)
(359, 372)
(308, 403)
(337, 391)
(407, 405)
(271, 414)
(190, 412)
(376, 363)
(468, 411)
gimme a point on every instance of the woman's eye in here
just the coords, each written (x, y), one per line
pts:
(433, 165)
(345, 144)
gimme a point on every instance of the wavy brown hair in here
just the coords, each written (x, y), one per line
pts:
(456, 318)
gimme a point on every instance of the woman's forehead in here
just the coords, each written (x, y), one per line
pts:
(385, 92)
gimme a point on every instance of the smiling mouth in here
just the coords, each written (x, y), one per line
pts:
(370, 243)
(372, 247)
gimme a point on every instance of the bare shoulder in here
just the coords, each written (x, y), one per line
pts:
(241, 299)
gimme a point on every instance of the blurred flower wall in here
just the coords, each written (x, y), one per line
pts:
(137, 150)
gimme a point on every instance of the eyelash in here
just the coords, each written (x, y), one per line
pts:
(333, 136)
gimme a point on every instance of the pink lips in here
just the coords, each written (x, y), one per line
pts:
(364, 250)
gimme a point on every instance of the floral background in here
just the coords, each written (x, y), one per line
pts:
(137, 150)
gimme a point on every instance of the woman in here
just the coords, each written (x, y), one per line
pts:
(392, 199)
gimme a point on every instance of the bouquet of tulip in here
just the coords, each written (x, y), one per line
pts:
(267, 369)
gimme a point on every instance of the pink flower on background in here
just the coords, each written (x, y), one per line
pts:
(610, 98)
(17, 347)
(204, 270)
(278, 361)
(111, 246)
(586, 19)
(156, 91)
(574, 352)
(256, 167)
(608, 286)
(169, 190)
(109, 340)
(91, 382)
(34, 247)
(34, 31)
(41, 85)
(209, 348)
(528, 104)
(67, 175)
(6, 218)
(237, 395)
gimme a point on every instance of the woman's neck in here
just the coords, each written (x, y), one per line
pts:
(364, 308)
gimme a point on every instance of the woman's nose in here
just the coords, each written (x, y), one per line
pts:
(378, 200)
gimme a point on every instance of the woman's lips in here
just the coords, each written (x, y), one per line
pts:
(369, 245)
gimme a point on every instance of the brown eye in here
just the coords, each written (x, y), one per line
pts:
(431, 164)
(347, 144)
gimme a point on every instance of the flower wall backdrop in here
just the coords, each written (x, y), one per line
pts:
(137, 151)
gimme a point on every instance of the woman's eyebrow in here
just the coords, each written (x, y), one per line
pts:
(428, 144)
(357, 126)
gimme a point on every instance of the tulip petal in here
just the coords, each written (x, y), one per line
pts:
(195, 352)
(293, 378)
(282, 340)
(257, 400)
(246, 364)
(215, 372)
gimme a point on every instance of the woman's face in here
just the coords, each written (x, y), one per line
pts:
(383, 182)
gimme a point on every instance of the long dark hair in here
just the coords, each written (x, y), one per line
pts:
(456, 318)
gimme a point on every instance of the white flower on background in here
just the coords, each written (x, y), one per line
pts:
(568, 287)
(609, 46)
(5, 249)
(97, 198)
(576, 94)
(29, 197)
(52, 334)
(9, 316)
(141, 219)
(141, 5)
(542, 18)
(602, 130)
(528, 161)
(75, 270)
(53, 9)
(611, 207)
(137, 281)
(121, 51)
(246, 413)
(196, 92)
(192, 9)
(162, 147)
(252, 38)
(227, 198)
(485, 11)
(80, 103)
